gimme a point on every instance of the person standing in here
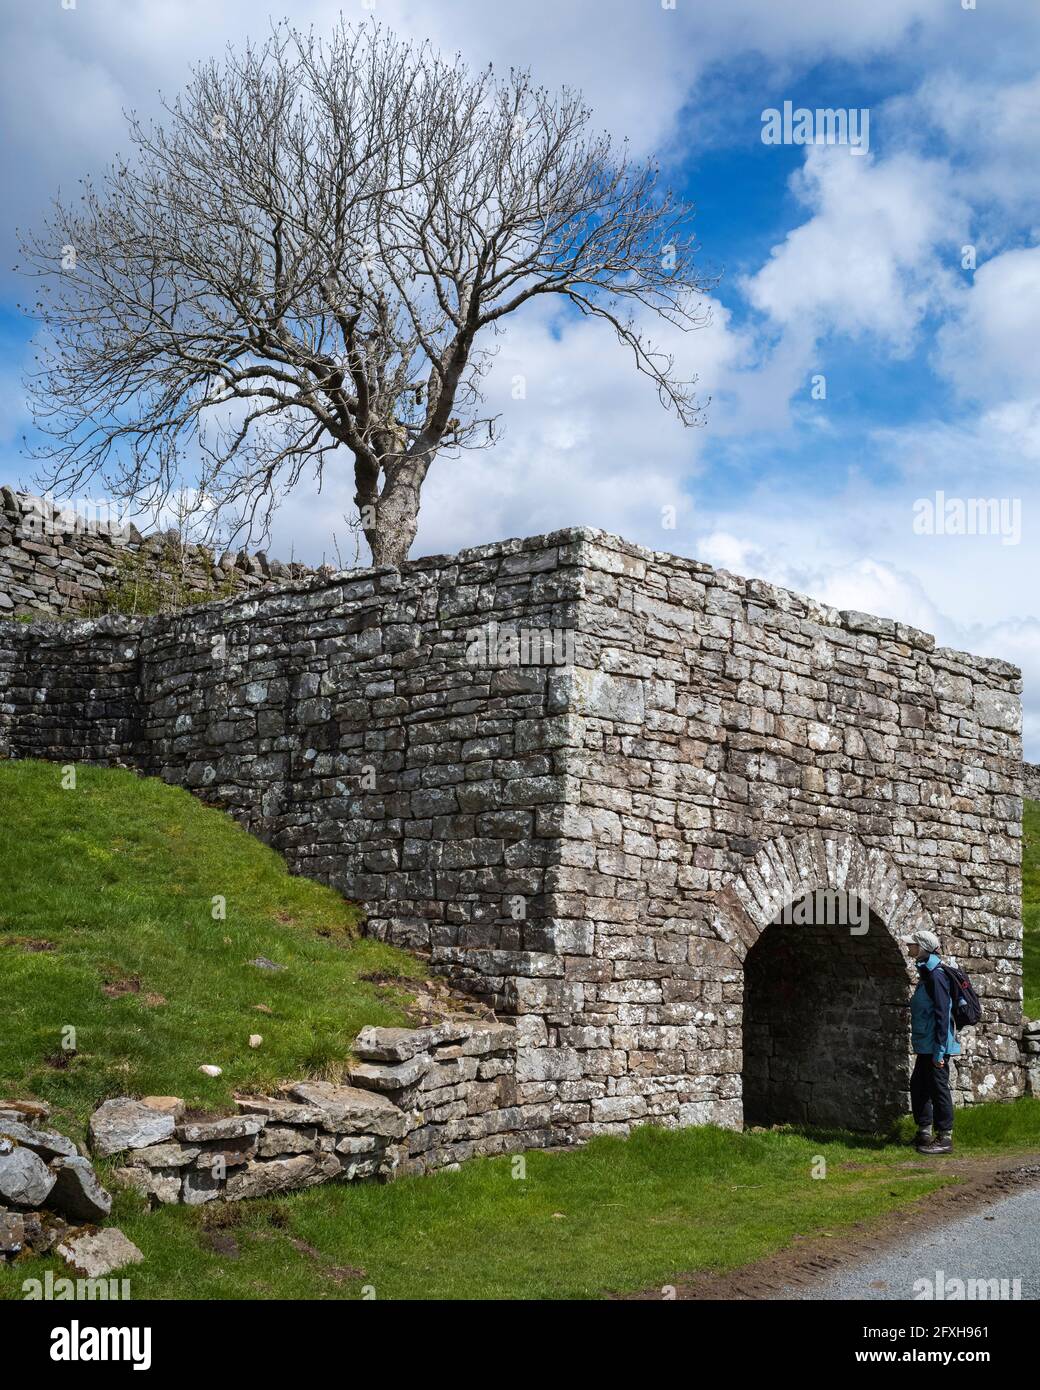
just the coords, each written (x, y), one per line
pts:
(934, 1041)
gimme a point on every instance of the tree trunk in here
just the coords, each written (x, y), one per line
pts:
(396, 522)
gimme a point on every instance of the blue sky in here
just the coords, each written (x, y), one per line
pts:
(835, 264)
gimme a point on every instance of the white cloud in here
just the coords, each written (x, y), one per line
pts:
(66, 73)
(867, 261)
(865, 584)
(990, 350)
(989, 129)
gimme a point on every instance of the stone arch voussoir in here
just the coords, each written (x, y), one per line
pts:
(789, 866)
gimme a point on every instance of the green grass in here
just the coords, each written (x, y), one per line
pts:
(1031, 906)
(112, 884)
(616, 1215)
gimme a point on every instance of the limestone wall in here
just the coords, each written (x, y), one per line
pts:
(56, 562)
(742, 744)
(342, 721)
(590, 826)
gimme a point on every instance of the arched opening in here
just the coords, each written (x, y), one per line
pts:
(825, 1018)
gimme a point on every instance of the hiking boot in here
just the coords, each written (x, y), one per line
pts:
(942, 1144)
(923, 1136)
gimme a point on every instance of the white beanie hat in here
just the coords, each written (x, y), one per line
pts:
(925, 939)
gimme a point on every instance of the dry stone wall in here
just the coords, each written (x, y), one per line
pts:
(1031, 773)
(588, 779)
(58, 562)
(417, 1100)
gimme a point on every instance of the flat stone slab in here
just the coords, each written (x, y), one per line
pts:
(276, 1175)
(42, 1141)
(400, 1044)
(227, 1127)
(488, 1037)
(164, 1156)
(173, 1104)
(161, 1184)
(25, 1180)
(390, 1076)
(28, 1111)
(124, 1123)
(77, 1194)
(219, 1160)
(281, 1112)
(103, 1252)
(284, 1175)
(357, 1144)
(279, 1141)
(350, 1110)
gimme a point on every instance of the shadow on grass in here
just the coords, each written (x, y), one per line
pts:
(993, 1125)
(851, 1139)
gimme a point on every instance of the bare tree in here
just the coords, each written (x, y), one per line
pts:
(312, 253)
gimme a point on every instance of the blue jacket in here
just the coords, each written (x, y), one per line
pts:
(931, 1021)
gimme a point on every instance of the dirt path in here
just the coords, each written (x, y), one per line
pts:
(981, 1182)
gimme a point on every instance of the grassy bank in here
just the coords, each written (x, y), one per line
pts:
(118, 973)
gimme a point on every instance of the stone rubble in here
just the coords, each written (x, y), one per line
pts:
(50, 1196)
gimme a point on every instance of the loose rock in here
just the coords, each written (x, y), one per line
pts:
(99, 1253)
(347, 1108)
(25, 1180)
(77, 1193)
(42, 1141)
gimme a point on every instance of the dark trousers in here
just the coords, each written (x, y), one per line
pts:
(930, 1095)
